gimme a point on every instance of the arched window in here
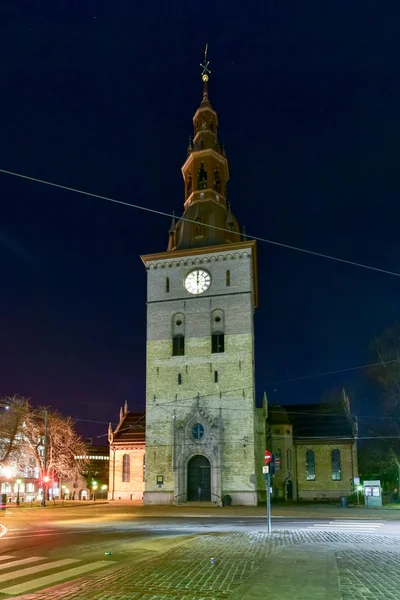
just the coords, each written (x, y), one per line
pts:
(310, 465)
(228, 278)
(288, 459)
(202, 178)
(277, 460)
(217, 180)
(178, 345)
(167, 285)
(217, 342)
(336, 466)
(126, 467)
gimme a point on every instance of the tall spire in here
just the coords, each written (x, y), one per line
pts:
(205, 75)
(206, 220)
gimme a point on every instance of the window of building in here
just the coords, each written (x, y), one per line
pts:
(215, 376)
(277, 460)
(217, 343)
(336, 466)
(167, 285)
(228, 278)
(179, 378)
(178, 345)
(189, 185)
(310, 465)
(126, 467)
(202, 178)
(217, 180)
(198, 431)
(288, 459)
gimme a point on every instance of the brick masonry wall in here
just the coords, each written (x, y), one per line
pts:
(323, 486)
(134, 488)
(234, 391)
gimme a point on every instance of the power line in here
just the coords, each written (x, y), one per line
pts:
(387, 362)
(165, 214)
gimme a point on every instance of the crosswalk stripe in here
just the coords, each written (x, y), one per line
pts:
(6, 557)
(48, 580)
(23, 561)
(37, 569)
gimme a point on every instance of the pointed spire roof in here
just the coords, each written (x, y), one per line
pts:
(173, 223)
(205, 75)
(230, 219)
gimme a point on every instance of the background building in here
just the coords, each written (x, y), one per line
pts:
(315, 449)
(127, 457)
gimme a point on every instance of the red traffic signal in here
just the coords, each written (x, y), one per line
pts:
(267, 456)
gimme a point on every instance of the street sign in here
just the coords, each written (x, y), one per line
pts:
(267, 456)
(266, 469)
(356, 481)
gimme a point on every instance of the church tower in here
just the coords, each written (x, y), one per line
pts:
(204, 435)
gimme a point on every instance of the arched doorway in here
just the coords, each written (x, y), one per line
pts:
(199, 479)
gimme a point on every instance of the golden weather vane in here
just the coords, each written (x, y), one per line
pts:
(206, 71)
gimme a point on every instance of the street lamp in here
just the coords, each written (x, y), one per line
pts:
(104, 490)
(18, 482)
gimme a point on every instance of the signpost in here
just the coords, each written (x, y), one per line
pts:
(267, 460)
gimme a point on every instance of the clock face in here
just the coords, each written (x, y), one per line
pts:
(198, 281)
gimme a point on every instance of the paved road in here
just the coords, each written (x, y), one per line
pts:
(40, 549)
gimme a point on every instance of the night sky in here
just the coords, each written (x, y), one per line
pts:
(99, 95)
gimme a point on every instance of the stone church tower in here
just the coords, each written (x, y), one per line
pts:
(204, 436)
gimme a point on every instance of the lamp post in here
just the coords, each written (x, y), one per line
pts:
(104, 491)
(18, 482)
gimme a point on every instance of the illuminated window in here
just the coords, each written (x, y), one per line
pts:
(310, 465)
(126, 468)
(336, 466)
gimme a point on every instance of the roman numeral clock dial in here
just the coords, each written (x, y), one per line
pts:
(197, 281)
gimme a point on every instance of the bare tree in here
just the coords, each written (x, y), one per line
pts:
(63, 444)
(12, 418)
(22, 438)
(386, 348)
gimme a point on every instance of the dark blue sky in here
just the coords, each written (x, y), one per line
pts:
(99, 95)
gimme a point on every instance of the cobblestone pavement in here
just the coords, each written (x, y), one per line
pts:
(365, 573)
(363, 566)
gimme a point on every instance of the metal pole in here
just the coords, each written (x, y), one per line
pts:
(268, 480)
(44, 458)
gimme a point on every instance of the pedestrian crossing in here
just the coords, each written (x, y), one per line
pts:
(347, 526)
(39, 572)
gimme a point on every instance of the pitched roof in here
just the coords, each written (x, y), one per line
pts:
(131, 430)
(315, 421)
